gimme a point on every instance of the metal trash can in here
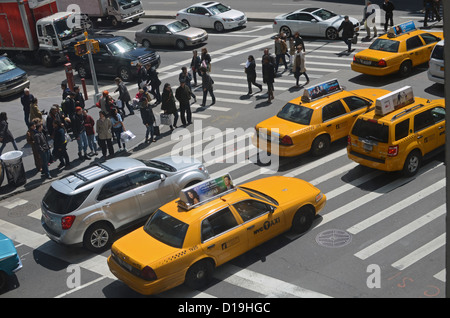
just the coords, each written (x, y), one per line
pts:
(14, 169)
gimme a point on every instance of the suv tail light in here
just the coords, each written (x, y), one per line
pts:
(148, 273)
(274, 22)
(286, 141)
(392, 151)
(67, 221)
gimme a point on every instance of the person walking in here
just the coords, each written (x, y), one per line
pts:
(5, 134)
(53, 115)
(124, 95)
(68, 106)
(141, 75)
(168, 104)
(348, 32)
(60, 145)
(280, 53)
(154, 81)
(207, 86)
(79, 133)
(34, 110)
(195, 66)
(30, 140)
(205, 59)
(41, 142)
(79, 99)
(268, 72)
(183, 95)
(250, 70)
(298, 40)
(186, 77)
(430, 7)
(369, 19)
(388, 8)
(117, 128)
(104, 131)
(148, 119)
(89, 124)
(26, 100)
(299, 65)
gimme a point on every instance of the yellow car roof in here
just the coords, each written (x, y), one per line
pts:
(316, 104)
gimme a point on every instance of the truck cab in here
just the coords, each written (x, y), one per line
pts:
(124, 11)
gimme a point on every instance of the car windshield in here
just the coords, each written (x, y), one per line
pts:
(324, 14)
(166, 229)
(218, 9)
(65, 32)
(371, 130)
(259, 195)
(385, 45)
(177, 27)
(121, 46)
(296, 113)
(158, 165)
(60, 203)
(6, 65)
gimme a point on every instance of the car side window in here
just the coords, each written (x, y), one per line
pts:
(217, 224)
(402, 129)
(354, 102)
(143, 177)
(192, 10)
(201, 11)
(413, 43)
(423, 120)
(163, 29)
(333, 110)
(115, 187)
(438, 114)
(429, 38)
(152, 29)
(250, 209)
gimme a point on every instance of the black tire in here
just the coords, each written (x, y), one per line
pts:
(199, 274)
(185, 22)
(124, 73)
(286, 30)
(114, 22)
(3, 281)
(302, 220)
(412, 163)
(218, 26)
(331, 34)
(146, 43)
(82, 71)
(320, 145)
(98, 237)
(180, 44)
(46, 59)
(405, 69)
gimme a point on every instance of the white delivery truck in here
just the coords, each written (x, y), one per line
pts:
(112, 11)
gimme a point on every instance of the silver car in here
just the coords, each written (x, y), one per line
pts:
(436, 64)
(311, 22)
(88, 206)
(170, 32)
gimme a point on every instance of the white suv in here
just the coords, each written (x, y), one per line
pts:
(436, 68)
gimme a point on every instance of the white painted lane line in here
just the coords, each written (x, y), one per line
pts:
(400, 233)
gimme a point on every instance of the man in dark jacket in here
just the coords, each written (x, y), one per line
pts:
(60, 144)
(148, 119)
(388, 8)
(154, 81)
(79, 133)
(183, 95)
(124, 95)
(40, 140)
(430, 7)
(141, 75)
(26, 100)
(348, 31)
(207, 86)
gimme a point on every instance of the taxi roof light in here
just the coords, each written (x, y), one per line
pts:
(394, 100)
(400, 29)
(320, 90)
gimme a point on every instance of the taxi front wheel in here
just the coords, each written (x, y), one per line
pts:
(199, 274)
(303, 220)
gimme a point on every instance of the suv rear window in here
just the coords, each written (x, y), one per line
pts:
(60, 203)
(371, 130)
(438, 52)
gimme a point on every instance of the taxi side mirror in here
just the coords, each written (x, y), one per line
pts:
(271, 209)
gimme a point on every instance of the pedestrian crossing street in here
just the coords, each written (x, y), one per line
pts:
(346, 207)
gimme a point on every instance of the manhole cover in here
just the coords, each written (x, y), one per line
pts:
(333, 238)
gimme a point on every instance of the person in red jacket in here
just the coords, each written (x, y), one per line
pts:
(89, 124)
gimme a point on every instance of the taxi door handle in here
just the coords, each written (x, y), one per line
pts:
(419, 137)
(329, 125)
(211, 246)
(251, 227)
(107, 204)
(441, 127)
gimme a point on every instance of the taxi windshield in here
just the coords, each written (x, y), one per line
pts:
(166, 229)
(385, 45)
(296, 113)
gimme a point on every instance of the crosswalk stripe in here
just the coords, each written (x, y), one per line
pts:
(14, 203)
(420, 253)
(372, 220)
(400, 233)
(441, 275)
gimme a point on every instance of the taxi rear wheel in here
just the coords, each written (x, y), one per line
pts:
(412, 163)
(405, 68)
(199, 274)
(320, 145)
(303, 220)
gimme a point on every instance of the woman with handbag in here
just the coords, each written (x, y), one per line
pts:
(118, 128)
(299, 65)
(168, 104)
(148, 119)
(104, 127)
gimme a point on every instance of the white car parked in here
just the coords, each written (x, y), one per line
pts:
(311, 22)
(212, 15)
(436, 68)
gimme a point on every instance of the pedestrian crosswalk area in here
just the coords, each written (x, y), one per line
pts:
(388, 221)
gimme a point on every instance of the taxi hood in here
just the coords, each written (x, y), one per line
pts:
(139, 249)
(285, 127)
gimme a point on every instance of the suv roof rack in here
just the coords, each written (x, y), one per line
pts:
(90, 175)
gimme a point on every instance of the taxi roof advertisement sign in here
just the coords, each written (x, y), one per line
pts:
(205, 191)
(403, 28)
(394, 100)
(320, 90)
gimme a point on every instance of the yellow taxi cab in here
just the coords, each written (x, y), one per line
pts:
(211, 223)
(313, 121)
(398, 133)
(397, 51)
